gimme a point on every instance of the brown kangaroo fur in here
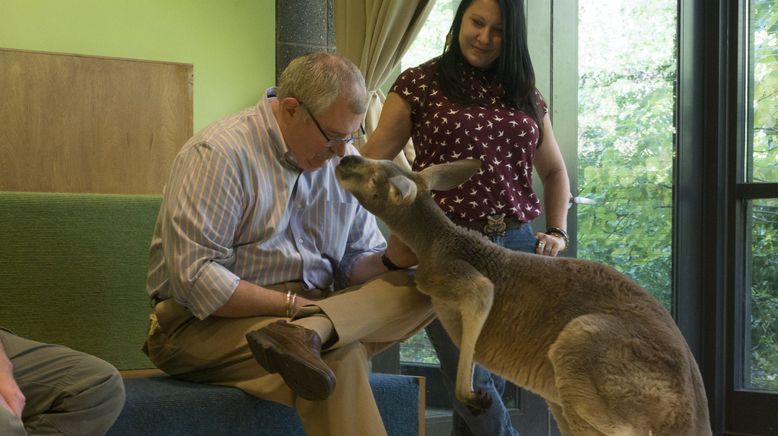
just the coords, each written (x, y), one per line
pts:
(603, 353)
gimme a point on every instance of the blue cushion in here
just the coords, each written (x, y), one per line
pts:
(164, 406)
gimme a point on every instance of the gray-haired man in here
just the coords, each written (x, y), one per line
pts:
(254, 231)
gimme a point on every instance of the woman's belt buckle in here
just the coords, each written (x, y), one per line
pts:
(495, 225)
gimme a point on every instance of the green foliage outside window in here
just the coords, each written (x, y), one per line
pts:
(765, 88)
(626, 103)
(764, 297)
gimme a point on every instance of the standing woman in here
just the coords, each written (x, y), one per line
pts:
(478, 100)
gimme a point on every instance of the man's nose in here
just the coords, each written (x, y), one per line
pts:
(339, 148)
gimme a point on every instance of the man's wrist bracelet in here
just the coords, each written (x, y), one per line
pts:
(556, 231)
(291, 297)
(388, 263)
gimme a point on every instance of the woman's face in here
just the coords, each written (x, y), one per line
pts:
(480, 35)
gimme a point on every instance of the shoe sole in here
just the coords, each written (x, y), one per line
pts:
(305, 380)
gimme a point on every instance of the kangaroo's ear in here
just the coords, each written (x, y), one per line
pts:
(450, 175)
(402, 189)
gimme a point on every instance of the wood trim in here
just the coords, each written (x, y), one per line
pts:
(141, 373)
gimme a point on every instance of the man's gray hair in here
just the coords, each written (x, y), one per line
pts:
(317, 79)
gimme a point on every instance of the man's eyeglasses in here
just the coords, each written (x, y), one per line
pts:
(359, 134)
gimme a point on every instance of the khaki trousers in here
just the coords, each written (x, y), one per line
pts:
(366, 319)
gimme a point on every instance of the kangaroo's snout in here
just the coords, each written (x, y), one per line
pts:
(351, 160)
(348, 166)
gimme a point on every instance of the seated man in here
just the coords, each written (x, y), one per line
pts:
(259, 256)
(51, 389)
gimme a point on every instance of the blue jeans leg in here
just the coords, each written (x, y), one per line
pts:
(518, 239)
(495, 421)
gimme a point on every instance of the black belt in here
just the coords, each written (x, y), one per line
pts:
(156, 300)
(491, 225)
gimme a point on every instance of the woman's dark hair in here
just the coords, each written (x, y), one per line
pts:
(513, 68)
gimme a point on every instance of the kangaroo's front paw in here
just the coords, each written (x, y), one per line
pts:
(478, 403)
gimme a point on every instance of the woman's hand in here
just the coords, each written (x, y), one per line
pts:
(549, 245)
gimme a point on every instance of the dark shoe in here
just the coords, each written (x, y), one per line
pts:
(294, 352)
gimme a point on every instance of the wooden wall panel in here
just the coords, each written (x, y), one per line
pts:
(71, 123)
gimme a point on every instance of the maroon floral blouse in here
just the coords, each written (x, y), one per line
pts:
(502, 138)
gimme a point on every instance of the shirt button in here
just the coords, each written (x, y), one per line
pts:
(301, 241)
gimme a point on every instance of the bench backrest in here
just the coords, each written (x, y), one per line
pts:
(73, 271)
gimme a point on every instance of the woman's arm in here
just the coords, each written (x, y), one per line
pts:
(552, 172)
(392, 132)
(388, 139)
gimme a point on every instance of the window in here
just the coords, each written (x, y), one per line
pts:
(752, 387)
(760, 215)
(760, 345)
(761, 95)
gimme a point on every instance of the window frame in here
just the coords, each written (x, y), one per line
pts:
(711, 128)
(747, 411)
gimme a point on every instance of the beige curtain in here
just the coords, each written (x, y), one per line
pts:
(375, 34)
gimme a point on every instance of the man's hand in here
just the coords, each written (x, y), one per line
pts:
(399, 253)
(11, 397)
(368, 267)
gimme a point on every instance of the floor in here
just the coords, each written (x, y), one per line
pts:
(438, 422)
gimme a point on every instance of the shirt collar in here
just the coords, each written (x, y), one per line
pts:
(282, 152)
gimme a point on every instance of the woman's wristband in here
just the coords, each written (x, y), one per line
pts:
(556, 231)
(388, 263)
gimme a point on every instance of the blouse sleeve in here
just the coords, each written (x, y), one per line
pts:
(540, 102)
(413, 86)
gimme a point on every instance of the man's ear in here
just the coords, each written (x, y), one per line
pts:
(402, 190)
(289, 107)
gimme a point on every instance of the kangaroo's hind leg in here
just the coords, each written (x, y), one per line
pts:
(565, 429)
(463, 298)
(559, 417)
(594, 384)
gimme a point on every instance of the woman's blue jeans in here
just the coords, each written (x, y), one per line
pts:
(495, 421)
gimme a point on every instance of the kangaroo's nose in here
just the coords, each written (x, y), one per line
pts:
(350, 160)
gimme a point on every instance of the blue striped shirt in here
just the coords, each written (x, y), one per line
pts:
(233, 210)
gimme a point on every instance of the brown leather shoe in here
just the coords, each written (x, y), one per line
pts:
(294, 352)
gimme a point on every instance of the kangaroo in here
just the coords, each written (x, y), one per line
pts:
(604, 354)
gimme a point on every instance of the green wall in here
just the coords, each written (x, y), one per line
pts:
(231, 43)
